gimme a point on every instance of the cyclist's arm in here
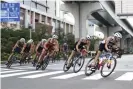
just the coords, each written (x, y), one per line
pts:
(57, 46)
(46, 43)
(88, 46)
(15, 45)
(38, 46)
(23, 48)
(78, 45)
(32, 46)
(116, 46)
(106, 43)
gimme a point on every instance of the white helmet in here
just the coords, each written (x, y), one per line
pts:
(55, 36)
(88, 37)
(43, 40)
(117, 34)
(30, 41)
(22, 40)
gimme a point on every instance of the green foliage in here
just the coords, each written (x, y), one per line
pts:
(9, 37)
(93, 42)
(70, 39)
(4, 56)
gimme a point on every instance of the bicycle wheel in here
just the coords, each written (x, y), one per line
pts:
(65, 69)
(78, 64)
(10, 62)
(109, 69)
(37, 67)
(45, 63)
(88, 68)
(34, 62)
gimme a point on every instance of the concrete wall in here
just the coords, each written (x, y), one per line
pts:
(103, 30)
(73, 8)
(112, 30)
(108, 31)
(80, 12)
(52, 7)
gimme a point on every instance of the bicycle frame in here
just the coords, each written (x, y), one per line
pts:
(105, 56)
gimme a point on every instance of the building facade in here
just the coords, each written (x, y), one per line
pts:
(39, 11)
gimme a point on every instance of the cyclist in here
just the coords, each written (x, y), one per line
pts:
(27, 49)
(79, 45)
(65, 47)
(65, 50)
(39, 49)
(17, 48)
(107, 44)
(50, 47)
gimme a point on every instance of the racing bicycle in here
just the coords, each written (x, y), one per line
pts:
(77, 62)
(107, 61)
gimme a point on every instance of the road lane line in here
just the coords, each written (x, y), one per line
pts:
(95, 77)
(16, 74)
(11, 71)
(42, 75)
(66, 76)
(4, 69)
(126, 77)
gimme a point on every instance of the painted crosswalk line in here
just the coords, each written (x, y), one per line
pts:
(42, 75)
(16, 74)
(11, 71)
(95, 76)
(66, 76)
(126, 77)
(2, 69)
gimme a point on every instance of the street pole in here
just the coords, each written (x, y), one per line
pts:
(30, 21)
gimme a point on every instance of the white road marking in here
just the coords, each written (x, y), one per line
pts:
(95, 77)
(42, 75)
(11, 71)
(66, 76)
(126, 77)
(16, 74)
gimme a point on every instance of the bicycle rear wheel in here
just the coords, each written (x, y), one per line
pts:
(88, 68)
(109, 69)
(78, 63)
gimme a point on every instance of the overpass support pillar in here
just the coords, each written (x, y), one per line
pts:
(80, 11)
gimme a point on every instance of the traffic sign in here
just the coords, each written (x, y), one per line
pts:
(10, 12)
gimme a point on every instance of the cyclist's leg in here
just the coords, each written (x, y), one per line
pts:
(70, 57)
(16, 50)
(35, 58)
(43, 53)
(101, 48)
(22, 57)
(10, 56)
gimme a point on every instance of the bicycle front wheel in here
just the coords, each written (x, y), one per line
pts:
(45, 64)
(65, 69)
(10, 62)
(78, 64)
(88, 67)
(108, 68)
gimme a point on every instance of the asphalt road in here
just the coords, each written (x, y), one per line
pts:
(26, 77)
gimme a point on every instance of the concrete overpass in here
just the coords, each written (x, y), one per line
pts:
(101, 13)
